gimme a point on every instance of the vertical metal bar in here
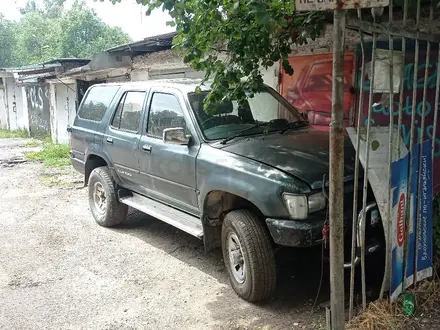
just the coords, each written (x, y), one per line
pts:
(402, 79)
(390, 147)
(367, 158)
(436, 108)
(413, 119)
(422, 136)
(356, 173)
(402, 88)
(337, 175)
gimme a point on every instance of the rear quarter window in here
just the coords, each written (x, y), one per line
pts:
(96, 102)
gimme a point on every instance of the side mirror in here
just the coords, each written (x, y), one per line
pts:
(305, 116)
(175, 136)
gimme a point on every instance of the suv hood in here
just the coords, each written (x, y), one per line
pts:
(303, 153)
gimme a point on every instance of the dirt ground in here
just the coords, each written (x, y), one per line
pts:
(59, 270)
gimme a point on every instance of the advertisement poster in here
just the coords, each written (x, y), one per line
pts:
(399, 186)
(410, 261)
(424, 236)
(309, 89)
(380, 115)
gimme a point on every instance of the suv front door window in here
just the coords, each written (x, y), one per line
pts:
(165, 112)
(168, 171)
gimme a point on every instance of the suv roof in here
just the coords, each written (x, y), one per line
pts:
(184, 84)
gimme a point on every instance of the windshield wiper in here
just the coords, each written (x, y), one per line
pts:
(293, 125)
(240, 133)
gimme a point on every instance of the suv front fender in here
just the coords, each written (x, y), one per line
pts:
(260, 184)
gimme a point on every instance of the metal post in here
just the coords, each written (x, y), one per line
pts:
(413, 135)
(337, 175)
(356, 173)
(388, 244)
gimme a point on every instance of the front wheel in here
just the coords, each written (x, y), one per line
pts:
(104, 203)
(248, 256)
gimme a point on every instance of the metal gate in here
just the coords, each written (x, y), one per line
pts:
(39, 109)
(394, 131)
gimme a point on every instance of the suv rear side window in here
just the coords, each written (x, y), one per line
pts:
(165, 112)
(97, 101)
(129, 111)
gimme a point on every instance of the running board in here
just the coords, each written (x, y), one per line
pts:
(188, 223)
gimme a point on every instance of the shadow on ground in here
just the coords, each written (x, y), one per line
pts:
(298, 278)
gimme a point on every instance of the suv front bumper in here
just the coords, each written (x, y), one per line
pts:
(296, 233)
(307, 233)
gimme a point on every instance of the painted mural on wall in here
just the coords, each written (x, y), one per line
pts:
(310, 87)
(381, 110)
(39, 109)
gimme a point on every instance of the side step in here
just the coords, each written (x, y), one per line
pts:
(188, 223)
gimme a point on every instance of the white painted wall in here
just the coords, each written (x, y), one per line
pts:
(271, 76)
(16, 105)
(63, 112)
(140, 75)
(3, 114)
(53, 112)
(10, 96)
(169, 64)
(23, 114)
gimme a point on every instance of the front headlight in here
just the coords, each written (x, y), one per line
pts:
(317, 202)
(299, 206)
(296, 205)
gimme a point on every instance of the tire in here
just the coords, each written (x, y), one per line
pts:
(106, 209)
(258, 280)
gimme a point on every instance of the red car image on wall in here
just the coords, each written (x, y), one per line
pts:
(310, 87)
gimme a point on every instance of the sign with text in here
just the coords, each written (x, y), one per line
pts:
(320, 5)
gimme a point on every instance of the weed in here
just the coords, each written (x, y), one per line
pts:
(60, 181)
(380, 314)
(32, 143)
(20, 133)
(53, 155)
(47, 139)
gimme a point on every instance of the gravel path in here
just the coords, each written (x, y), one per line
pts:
(59, 270)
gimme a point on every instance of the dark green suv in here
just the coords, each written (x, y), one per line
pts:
(243, 177)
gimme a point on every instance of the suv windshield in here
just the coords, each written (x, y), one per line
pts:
(229, 118)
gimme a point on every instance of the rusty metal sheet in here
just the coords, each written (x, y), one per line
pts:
(320, 5)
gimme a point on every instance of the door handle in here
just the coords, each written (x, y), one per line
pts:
(146, 148)
(110, 140)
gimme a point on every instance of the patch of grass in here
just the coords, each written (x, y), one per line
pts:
(32, 143)
(57, 181)
(46, 139)
(383, 314)
(53, 155)
(20, 133)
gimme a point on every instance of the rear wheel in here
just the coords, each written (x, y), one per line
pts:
(103, 200)
(248, 256)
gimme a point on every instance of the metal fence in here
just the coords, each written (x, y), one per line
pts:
(398, 83)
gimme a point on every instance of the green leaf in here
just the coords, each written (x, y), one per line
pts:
(233, 39)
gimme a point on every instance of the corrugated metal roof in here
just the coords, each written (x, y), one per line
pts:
(48, 65)
(148, 45)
